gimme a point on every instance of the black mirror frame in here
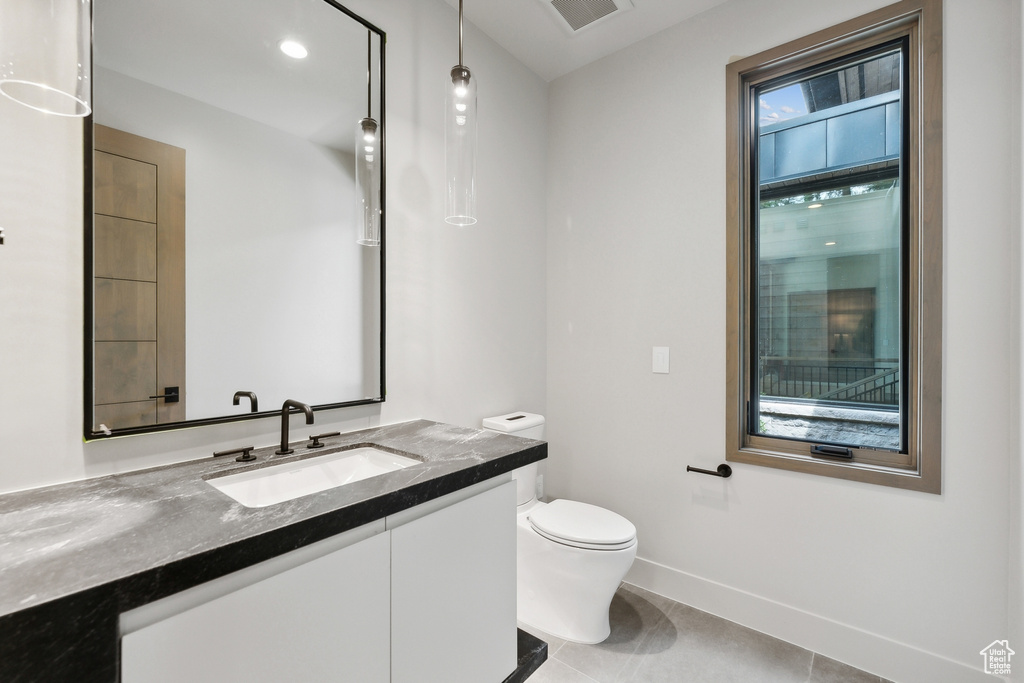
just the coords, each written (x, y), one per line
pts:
(88, 307)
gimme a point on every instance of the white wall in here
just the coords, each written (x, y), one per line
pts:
(907, 585)
(465, 306)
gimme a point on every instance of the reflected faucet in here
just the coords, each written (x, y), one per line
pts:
(284, 450)
(253, 401)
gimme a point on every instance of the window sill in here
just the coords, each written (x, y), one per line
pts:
(868, 473)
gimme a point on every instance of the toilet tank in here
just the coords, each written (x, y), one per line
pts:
(531, 426)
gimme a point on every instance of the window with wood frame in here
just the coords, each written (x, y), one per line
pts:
(835, 251)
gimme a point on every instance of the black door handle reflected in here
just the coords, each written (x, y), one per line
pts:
(170, 395)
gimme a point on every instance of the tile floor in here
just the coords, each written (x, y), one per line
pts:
(656, 639)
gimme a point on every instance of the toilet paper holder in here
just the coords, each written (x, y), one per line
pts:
(723, 471)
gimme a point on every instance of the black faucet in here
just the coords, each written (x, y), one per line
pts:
(253, 401)
(284, 450)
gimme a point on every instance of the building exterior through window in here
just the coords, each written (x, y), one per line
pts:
(828, 244)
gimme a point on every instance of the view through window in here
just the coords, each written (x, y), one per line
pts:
(828, 244)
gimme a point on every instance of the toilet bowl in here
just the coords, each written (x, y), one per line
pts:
(570, 556)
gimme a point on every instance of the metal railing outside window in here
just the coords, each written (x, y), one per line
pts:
(876, 382)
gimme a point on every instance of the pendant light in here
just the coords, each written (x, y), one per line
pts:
(367, 168)
(45, 55)
(460, 143)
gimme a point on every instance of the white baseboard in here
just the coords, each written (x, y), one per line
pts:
(871, 652)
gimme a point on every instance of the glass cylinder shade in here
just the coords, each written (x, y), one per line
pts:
(368, 182)
(45, 55)
(460, 148)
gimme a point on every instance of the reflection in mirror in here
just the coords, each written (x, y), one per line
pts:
(222, 250)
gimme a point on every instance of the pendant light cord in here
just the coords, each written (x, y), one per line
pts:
(460, 32)
(369, 109)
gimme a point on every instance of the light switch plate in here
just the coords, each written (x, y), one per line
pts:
(660, 360)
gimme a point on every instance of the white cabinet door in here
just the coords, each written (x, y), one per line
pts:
(453, 592)
(326, 619)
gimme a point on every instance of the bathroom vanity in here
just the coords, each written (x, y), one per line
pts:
(156, 575)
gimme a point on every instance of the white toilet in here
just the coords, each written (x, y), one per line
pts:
(570, 557)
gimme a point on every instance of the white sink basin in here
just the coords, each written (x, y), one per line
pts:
(278, 483)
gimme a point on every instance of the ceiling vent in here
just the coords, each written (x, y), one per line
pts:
(579, 14)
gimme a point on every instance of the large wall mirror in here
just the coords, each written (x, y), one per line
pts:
(222, 264)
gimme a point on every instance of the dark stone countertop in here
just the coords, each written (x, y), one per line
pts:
(74, 556)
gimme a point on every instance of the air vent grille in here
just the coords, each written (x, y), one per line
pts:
(580, 13)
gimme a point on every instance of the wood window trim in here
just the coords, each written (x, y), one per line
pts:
(921, 21)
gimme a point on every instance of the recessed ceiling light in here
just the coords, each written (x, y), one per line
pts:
(293, 49)
(830, 244)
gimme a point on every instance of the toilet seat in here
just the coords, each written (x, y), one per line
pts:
(580, 525)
